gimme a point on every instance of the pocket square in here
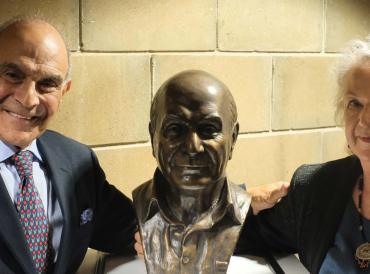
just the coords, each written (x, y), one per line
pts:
(86, 216)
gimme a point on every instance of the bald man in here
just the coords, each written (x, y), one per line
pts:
(55, 200)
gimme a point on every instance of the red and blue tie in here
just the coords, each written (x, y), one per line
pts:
(31, 211)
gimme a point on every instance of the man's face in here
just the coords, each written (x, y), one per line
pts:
(194, 137)
(33, 66)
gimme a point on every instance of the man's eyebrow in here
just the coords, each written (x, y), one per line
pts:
(10, 65)
(54, 78)
(212, 118)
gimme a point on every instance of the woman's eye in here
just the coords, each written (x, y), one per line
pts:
(354, 104)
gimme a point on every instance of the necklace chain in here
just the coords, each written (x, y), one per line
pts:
(362, 254)
(361, 189)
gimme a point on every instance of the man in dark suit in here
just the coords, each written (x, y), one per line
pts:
(55, 200)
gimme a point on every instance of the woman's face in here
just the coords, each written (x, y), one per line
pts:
(357, 111)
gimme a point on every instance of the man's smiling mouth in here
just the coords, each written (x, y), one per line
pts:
(20, 116)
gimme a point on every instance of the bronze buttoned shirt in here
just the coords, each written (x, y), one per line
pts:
(203, 247)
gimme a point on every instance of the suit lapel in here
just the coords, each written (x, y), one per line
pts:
(12, 233)
(61, 179)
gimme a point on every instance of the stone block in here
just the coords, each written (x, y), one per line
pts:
(127, 167)
(63, 14)
(267, 159)
(248, 78)
(346, 20)
(285, 25)
(334, 145)
(304, 90)
(109, 101)
(140, 25)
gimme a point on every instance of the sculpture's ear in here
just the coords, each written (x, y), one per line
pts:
(151, 132)
(234, 138)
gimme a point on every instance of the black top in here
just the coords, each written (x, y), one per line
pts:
(307, 219)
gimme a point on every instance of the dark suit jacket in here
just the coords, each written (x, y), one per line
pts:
(80, 184)
(307, 219)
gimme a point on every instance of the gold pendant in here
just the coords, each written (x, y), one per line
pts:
(363, 255)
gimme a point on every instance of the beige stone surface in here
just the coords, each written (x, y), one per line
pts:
(261, 160)
(63, 14)
(248, 78)
(334, 145)
(285, 25)
(109, 100)
(304, 90)
(137, 25)
(346, 20)
(127, 167)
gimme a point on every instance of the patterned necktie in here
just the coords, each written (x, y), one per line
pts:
(31, 211)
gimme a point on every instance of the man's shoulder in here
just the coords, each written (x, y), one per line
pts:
(53, 138)
(56, 145)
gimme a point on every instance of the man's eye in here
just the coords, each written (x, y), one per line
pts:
(13, 76)
(47, 85)
(173, 130)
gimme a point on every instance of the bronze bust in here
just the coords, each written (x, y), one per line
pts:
(189, 214)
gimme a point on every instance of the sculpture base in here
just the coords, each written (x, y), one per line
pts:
(238, 265)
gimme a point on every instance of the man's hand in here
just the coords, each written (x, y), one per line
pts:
(266, 196)
(139, 246)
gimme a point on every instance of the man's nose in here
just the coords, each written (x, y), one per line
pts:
(194, 144)
(27, 95)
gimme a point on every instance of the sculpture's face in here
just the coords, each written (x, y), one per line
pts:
(194, 134)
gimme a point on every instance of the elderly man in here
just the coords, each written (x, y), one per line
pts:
(190, 215)
(53, 192)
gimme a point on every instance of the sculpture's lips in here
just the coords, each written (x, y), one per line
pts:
(192, 166)
(192, 169)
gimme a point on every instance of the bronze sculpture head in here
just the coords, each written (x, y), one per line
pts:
(193, 129)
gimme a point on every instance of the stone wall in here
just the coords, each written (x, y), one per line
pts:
(276, 56)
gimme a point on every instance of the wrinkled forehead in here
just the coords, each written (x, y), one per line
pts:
(359, 77)
(35, 41)
(192, 96)
(195, 103)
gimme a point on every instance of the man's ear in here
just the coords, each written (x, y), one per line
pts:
(67, 87)
(151, 132)
(234, 138)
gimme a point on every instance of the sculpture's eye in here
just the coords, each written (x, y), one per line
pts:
(208, 131)
(173, 130)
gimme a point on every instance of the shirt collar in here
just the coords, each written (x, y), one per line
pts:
(7, 150)
(227, 207)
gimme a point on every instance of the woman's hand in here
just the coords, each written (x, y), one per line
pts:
(139, 245)
(266, 196)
